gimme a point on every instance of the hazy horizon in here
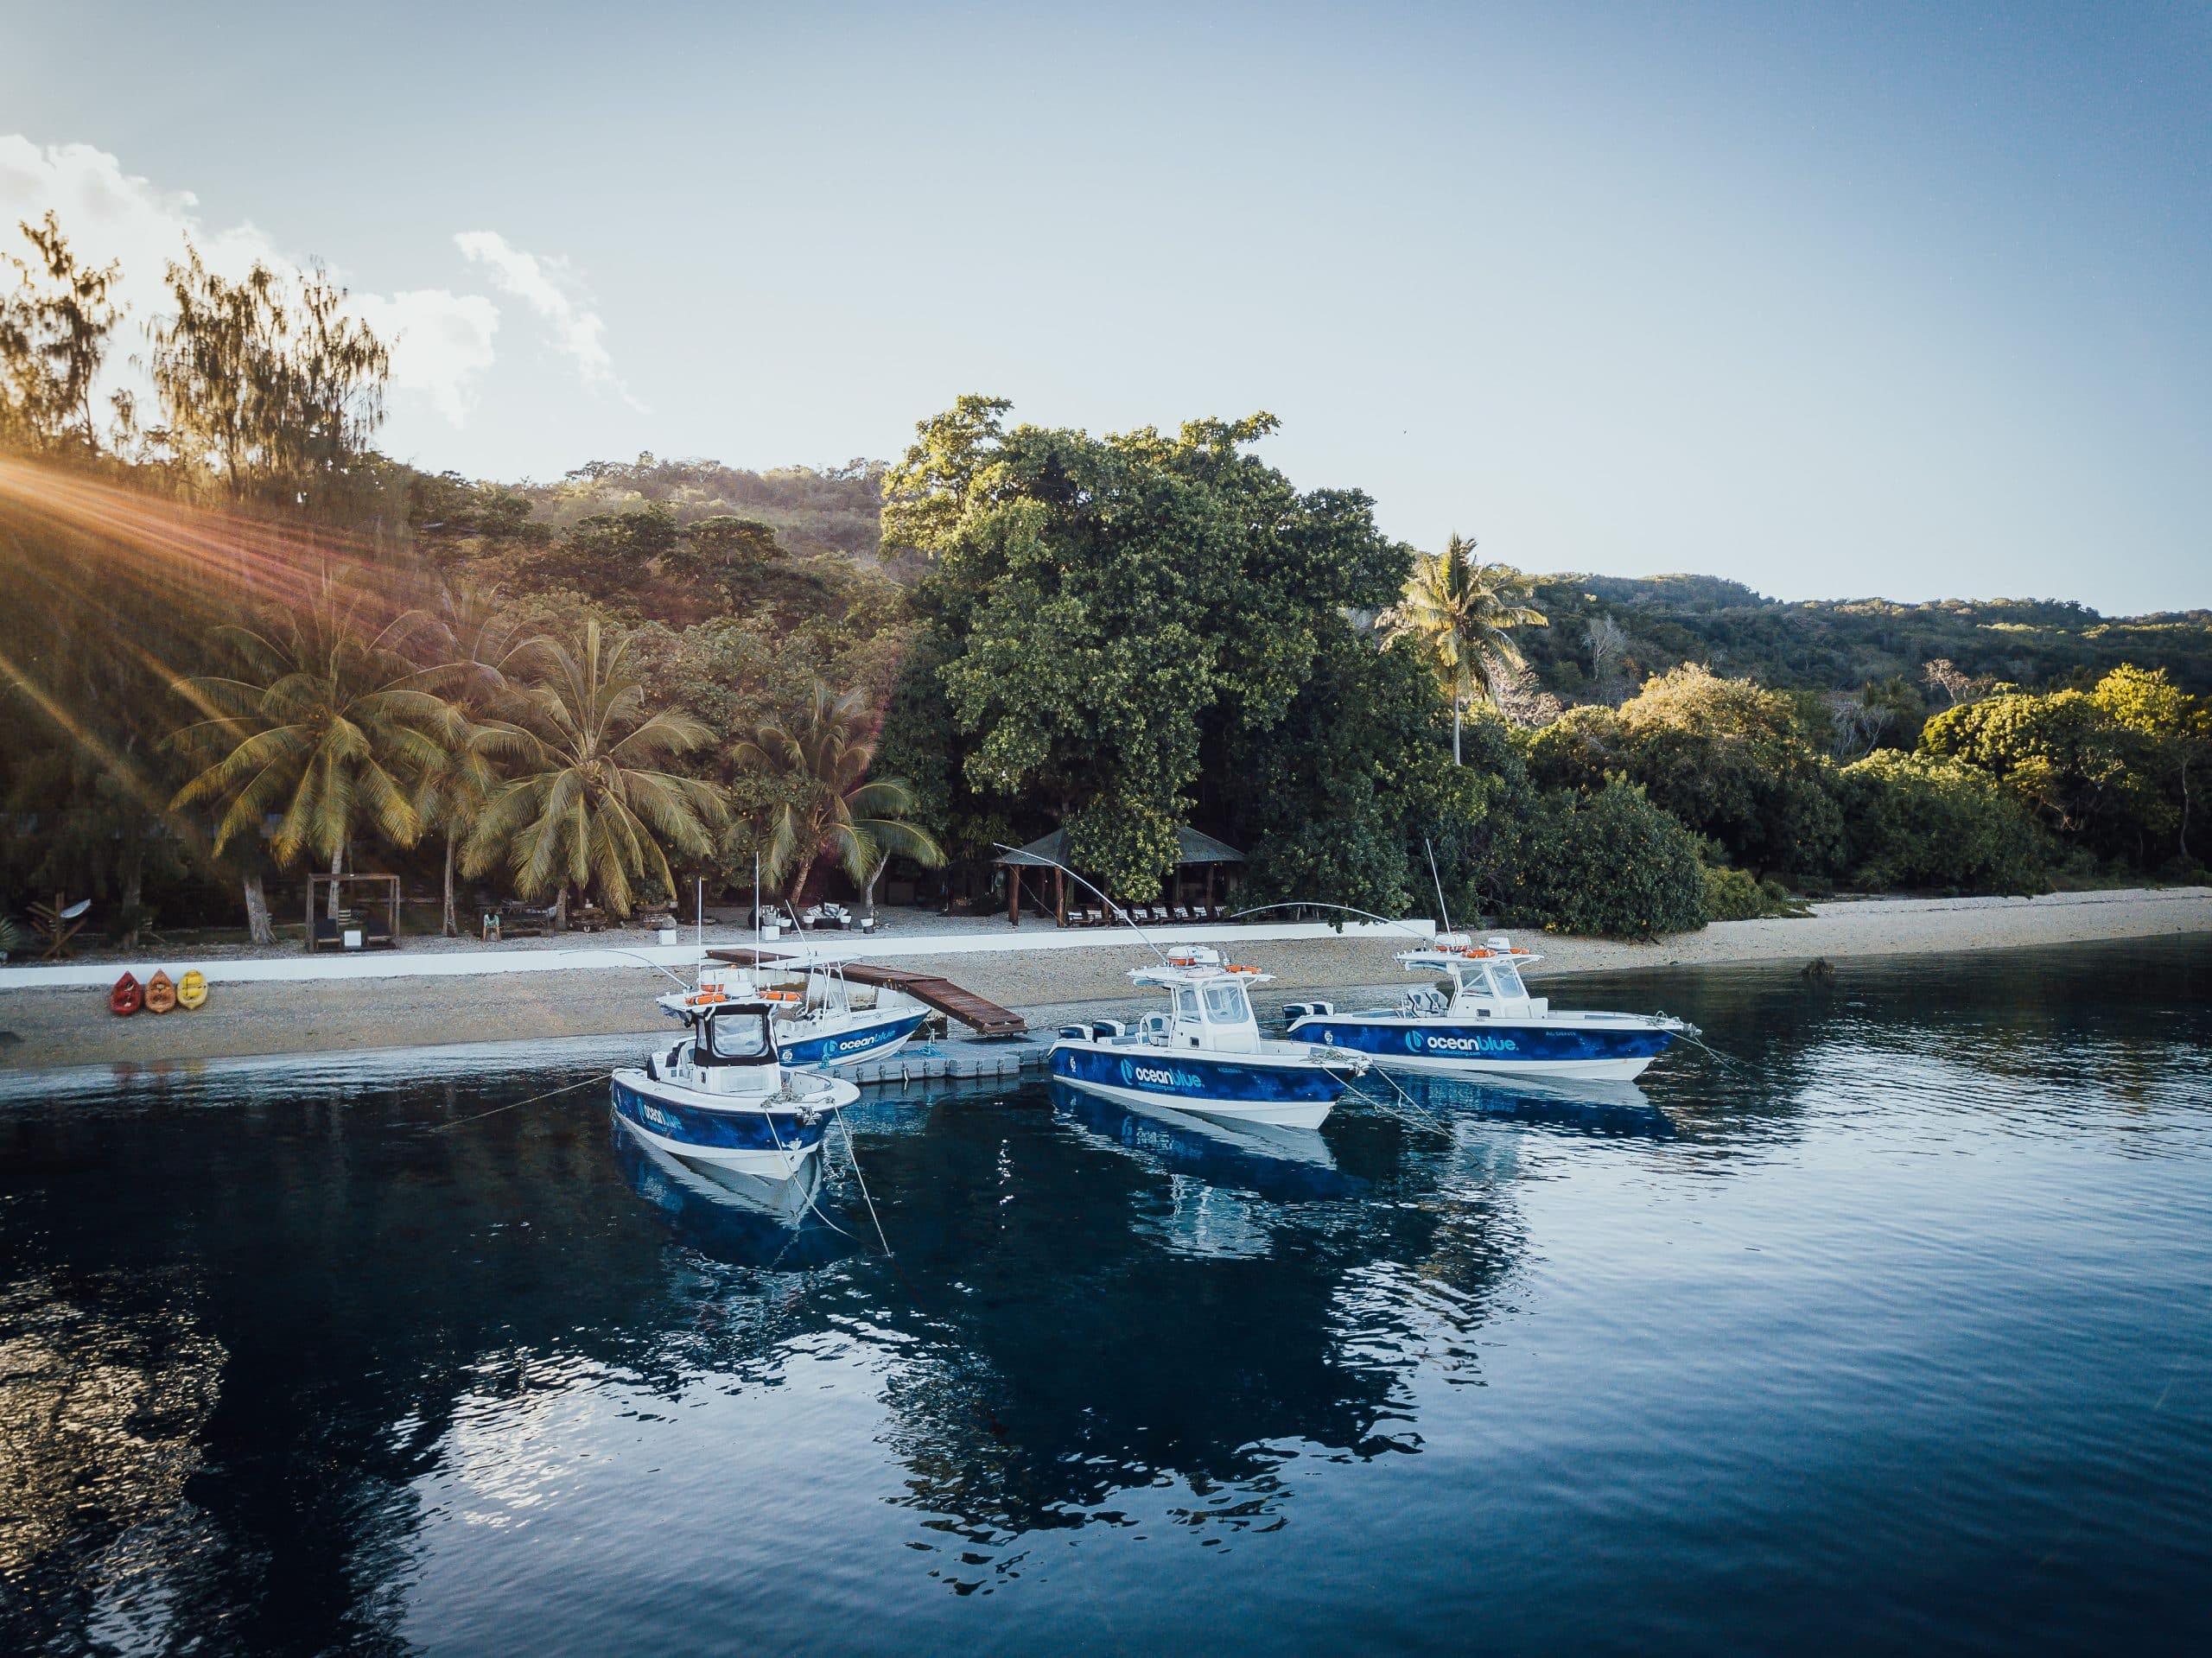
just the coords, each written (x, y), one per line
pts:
(1879, 301)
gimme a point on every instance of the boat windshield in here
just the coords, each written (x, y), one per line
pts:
(1507, 977)
(1186, 1002)
(1225, 1003)
(739, 1036)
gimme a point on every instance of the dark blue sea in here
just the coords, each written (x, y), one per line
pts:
(1888, 1330)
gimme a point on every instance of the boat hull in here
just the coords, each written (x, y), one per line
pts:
(768, 1145)
(853, 1044)
(1492, 1047)
(1237, 1088)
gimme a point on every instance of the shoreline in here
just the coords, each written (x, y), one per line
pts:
(70, 1028)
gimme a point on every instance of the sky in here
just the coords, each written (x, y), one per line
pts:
(1838, 301)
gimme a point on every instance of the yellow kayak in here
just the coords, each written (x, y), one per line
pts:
(192, 990)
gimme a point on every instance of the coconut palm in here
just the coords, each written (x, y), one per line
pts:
(327, 724)
(480, 640)
(818, 764)
(1459, 610)
(587, 811)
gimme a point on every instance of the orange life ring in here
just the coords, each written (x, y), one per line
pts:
(125, 998)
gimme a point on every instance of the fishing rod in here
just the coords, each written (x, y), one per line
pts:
(1118, 911)
(1442, 908)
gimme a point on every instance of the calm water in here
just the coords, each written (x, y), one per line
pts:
(1897, 1336)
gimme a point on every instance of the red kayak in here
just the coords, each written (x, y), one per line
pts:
(126, 998)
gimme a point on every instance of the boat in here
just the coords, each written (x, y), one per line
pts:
(1204, 1056)
(125, 997)
(1486, 1022)
(822, 1021)
(161, 993)
(191, 990)
(722, 1099)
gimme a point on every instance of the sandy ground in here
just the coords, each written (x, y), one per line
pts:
(43, 1028)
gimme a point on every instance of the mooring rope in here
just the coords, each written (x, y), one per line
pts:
(440, 1127)
(853, 1157)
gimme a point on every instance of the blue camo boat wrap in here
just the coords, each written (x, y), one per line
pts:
(843, 1047)
(727, 1130)
(1195, 1075)
(1538, 1043)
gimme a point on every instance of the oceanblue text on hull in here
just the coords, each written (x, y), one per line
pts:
(1195, 1077)
(723, 1131)
(1535, 1044)
(842, 1047)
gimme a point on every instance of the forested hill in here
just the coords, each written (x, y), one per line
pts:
(1659, 622)
(811, 511)
(1656, 622)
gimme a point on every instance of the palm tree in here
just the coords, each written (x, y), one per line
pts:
(819, 763)
(1459, 609)
(586, 810)
(327, 723)
(482, 639)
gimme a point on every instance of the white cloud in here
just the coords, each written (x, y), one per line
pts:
(441, 341)
(550, 288)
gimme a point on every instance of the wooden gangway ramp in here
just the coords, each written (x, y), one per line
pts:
(985, 1018)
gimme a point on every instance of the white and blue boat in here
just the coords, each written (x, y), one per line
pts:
(722, 1099)
(1204, 1056)
(824, 1021)
(1487, 1022)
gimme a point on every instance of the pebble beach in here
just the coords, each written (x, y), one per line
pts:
(46, 1028)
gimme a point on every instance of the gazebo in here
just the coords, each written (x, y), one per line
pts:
(1193, 851)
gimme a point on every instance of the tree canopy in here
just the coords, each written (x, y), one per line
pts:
(1096, 604)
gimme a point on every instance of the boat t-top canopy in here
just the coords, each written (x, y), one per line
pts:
(1452, 952)
(1190, 963)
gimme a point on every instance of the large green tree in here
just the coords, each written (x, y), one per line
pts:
(2107, 769)
(1096, 602)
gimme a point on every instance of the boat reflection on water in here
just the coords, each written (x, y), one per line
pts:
(1284, 1166)
(1616, 1109)
(733, 1217)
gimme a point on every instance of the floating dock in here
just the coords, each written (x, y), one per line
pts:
(965, 1060)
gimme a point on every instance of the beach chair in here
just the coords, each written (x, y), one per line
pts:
(1182, 913)
(1094, 918)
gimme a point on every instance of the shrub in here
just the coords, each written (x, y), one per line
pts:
(1737, 895)
(1608, 863)
(1917, 821)
(1727, 758)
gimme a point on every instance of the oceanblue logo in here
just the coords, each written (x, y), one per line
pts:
(1461, 1043)
(1137, 1076)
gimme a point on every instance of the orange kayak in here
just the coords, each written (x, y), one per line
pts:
(161, 993)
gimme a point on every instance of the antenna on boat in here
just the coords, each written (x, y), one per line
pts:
(699, 926)
(1117, 910)
(1442, 908)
